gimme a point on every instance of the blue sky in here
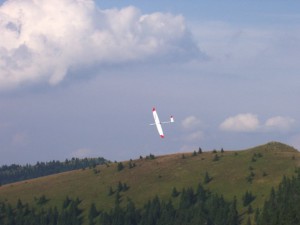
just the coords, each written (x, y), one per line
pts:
(80, 78)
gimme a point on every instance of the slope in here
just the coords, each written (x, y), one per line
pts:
(232, 173)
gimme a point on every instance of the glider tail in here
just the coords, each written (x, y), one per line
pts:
(172, 119)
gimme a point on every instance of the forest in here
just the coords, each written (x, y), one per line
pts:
(195, 207)
(14, 172)
(185, 207)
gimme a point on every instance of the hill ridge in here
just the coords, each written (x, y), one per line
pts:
(231, 174)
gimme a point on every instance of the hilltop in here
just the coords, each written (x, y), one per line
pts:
(231, 174)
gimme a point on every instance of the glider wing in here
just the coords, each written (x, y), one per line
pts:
(157, 123)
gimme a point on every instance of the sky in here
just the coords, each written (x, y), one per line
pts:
(79, 78)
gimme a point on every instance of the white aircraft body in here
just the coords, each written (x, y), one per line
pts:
(158, 123)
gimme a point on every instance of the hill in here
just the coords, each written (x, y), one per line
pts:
(231, 173)
(14, 172)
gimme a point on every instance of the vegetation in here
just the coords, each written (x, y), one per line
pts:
(23, 214)
(283, 205)
(14, 172)
(134, 187)
(195, 207)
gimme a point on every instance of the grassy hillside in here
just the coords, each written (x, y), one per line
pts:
(231, 176)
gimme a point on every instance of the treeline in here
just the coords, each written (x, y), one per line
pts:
(283, 205)
(195, 207)
(14, 172)
(23, 214)
(185, 207)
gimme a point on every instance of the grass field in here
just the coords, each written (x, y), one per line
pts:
(230, 177)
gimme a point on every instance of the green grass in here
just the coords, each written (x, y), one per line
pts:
(160, 175)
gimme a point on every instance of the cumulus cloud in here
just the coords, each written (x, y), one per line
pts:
(249, 122)
(41, 41)
(241, 122)
(190, 122)
(279, 123)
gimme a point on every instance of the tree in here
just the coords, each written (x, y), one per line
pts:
(110, 191)
(247, 198)
(199, 150)
(120, 166)
(207, 178)
(175, 193)
(233, 217)
(93, 213)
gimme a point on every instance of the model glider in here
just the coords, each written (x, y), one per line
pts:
(158, 123)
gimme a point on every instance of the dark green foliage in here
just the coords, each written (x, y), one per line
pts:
(199, 150)
(248, 221)
(93, 213)
(194, 153)
(95, 171)
(207, 178)
(283, 205)
(247, 198)
(118, 198)
(175, 193)
(250, 209)
(23, 214)
(151, 156)
(199, 208)
(120, 166)
(42, 200)
(195, 207)
(122, 187)
(131, 164)
(110, 191)
(256, 156)
(264, 174)
(250, 177)
(14, 172)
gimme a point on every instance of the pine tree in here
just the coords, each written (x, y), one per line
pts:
(120, 166)
(175, 193)
(93, 213)
(199, 150)
(207, 178)
(233, 217)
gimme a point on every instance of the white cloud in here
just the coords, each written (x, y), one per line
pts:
(41, 41)
(190, 122)
(242, 122)
(279, 123)
(249, 122)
